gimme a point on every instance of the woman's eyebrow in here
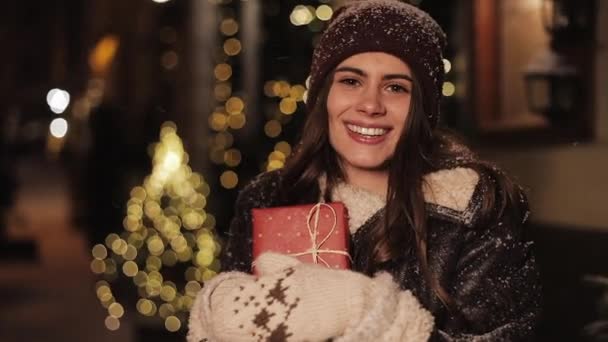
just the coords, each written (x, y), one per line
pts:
(363, 74)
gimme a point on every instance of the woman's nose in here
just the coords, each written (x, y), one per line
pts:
(370, 103)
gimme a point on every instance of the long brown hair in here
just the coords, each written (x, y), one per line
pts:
(420, 150)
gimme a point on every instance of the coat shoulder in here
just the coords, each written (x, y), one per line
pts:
(450, 194)
(262, 191)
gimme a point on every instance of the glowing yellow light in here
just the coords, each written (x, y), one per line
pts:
(204, 258)
(297, 92)
(153, 287)
(103, 291)
(173, 323)
(281, 88)
(103, 54)
(269, 89)
(237, 121)
(208, 274)
(191, 221)
(169, 60)
(179, 244)
(191, 274)
(301, 15)
(288, 106)
(324, 12)
(153, 265)
(99, 251)
(272, 128)
(448, 89)
(140, 279)
(160, 1)
(229, 179)
(98, 266)
(192, 288)
(234, 105)
(106, 299)
(169, 258)
(112, 323)
(168, 127)
(232, 47)
(277, 155)
(447, 65)
(172, 161)
(152, 209)
(222, 72)
(156, 246)
(218, 121)
(131, 223)
(167, 293)
(165, 310)
(116, 310)
(130, 269)
(274, 164)
(283, 147)
(229, 27)
(232, 157)
(59, 127)
(146, 307)
(58, 100)
(222, 91)
(119, 246)
(185, 255)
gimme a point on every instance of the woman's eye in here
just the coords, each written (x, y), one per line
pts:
(349, 81)
(396, 88)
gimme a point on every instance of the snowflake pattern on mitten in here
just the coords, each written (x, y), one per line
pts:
(270, 303)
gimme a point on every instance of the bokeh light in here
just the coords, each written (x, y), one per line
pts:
(229, 27)
(232, 47)
(447, 65)
(272, 128)
(58, 100)
(58, 127)
(301, 15)
(324, 12)
(229, 180)
(448, 89)
(222, 71)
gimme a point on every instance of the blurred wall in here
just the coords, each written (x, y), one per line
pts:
(568, 184)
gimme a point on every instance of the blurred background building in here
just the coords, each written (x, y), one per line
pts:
(128, 127)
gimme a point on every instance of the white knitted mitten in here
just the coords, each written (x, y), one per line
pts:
(292, 301)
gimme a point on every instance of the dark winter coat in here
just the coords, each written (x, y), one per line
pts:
(487, 269)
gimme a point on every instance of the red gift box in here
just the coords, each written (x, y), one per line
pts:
(313, 233)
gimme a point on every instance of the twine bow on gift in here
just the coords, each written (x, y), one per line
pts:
(313, 230)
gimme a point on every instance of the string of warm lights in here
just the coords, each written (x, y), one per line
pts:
(229, 113)
(165, 227)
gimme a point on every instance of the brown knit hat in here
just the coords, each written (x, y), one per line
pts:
(389, 26)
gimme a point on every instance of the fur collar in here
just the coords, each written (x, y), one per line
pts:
(448, 194)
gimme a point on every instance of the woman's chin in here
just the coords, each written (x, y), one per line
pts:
(370, 165)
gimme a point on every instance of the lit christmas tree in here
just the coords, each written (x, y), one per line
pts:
(166, 228)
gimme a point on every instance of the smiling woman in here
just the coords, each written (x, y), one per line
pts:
(437, 240)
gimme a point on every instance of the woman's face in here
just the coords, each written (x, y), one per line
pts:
(368, 103)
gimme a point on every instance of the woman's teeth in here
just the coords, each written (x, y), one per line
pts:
(366, 130)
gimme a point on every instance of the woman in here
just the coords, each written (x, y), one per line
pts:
(437, 242)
